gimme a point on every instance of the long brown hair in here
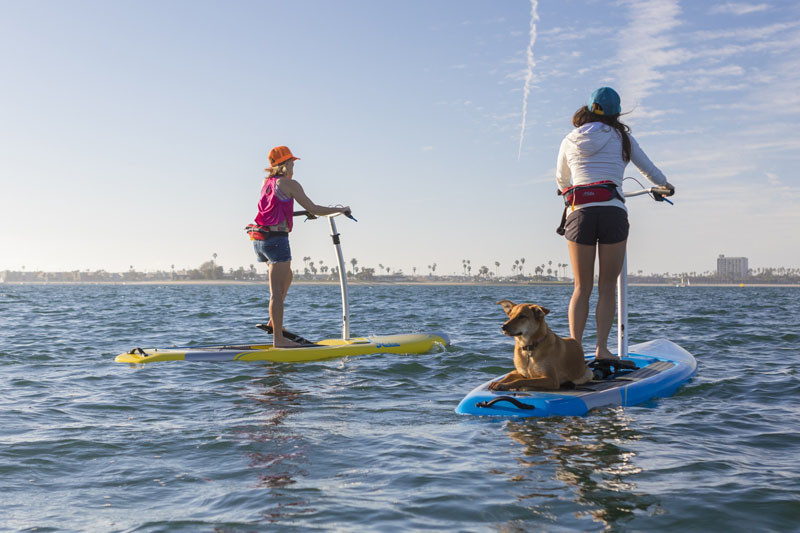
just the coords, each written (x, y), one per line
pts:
(584, 116)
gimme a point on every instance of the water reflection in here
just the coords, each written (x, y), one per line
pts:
(276, 452)
(589, 458)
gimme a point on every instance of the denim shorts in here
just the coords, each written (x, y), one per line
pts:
(603, 224)
(273, 250)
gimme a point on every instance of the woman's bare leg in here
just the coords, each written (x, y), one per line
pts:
(581, 256)
(611, 257)
(280, 278)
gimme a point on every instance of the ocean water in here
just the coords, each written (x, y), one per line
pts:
(372, 443)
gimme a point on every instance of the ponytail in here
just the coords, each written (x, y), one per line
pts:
(277, 170)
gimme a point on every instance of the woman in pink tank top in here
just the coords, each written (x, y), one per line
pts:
(271, 241)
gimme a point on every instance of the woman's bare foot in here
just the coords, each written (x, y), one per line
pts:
(285, 343)
(604, 353)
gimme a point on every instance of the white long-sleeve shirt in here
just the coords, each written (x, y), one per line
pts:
(593, 152)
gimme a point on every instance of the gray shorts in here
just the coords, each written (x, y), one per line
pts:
(604, 224)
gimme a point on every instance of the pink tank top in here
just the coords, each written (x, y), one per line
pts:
(274, 206)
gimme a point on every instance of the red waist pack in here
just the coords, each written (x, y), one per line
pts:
(598, 191)
(262, 233)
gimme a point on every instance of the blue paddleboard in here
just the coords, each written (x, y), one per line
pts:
(663, 368)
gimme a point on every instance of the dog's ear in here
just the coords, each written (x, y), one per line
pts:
(539, 311)
(507, 305)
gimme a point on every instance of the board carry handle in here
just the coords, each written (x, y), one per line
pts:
(510, 399)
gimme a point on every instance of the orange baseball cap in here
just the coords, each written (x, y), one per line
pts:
(280, 154)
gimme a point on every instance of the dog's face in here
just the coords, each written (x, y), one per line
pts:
(524, 320)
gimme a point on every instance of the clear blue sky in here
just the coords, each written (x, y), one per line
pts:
(136, 133)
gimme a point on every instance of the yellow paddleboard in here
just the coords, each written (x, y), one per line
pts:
(326, 349)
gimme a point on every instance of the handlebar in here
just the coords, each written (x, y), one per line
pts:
(659, 194)
(311, 216)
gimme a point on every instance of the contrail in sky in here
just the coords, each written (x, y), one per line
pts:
(528, 74)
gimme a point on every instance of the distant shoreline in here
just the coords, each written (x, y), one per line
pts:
(398, 283)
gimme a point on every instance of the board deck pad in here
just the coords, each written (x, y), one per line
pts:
(621, 379)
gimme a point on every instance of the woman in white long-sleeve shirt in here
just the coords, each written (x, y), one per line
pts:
(598, 149)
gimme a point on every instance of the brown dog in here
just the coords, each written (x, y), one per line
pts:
(542, 360)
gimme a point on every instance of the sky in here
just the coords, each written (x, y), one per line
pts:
(136, 133)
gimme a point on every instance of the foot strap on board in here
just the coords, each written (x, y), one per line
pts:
(605, 368)
(287, 335)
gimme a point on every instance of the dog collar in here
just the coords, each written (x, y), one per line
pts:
(533, 345)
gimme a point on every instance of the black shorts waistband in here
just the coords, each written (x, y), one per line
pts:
(270, 234)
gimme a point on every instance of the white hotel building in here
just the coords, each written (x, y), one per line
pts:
(731, 268)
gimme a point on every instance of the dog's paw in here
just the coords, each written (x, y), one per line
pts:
(496, 385)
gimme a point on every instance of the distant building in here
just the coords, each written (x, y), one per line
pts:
(731, 267)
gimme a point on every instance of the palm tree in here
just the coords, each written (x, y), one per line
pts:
(497, 266)
(214, 255)
(354, 262)
(521, 265)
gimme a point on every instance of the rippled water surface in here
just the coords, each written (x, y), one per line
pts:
(372, 443)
